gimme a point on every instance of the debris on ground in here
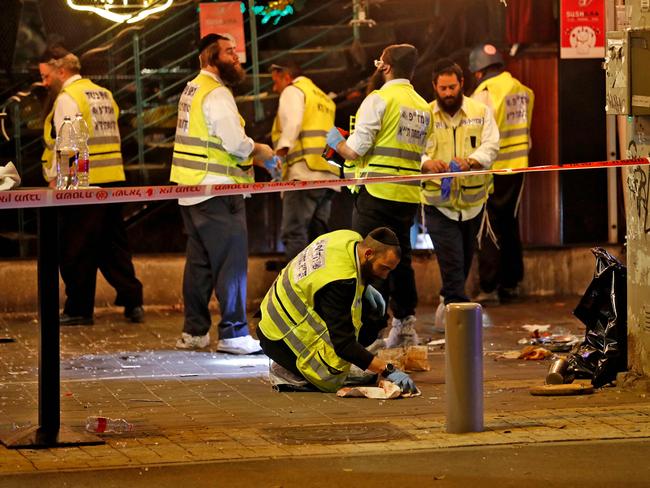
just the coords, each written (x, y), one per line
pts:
(385, 390)
(562, 390)
(533, 353)
(556, 339)
(411, 358)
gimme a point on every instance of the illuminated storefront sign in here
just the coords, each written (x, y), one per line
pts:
(129, 11)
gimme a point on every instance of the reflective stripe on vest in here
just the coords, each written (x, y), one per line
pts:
(317, 119)
(398, 145)
(196, 152)
(513, 109)
(288, 311)
(100, 112)
(446, 143)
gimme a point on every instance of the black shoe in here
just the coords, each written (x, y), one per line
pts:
(66, 319)
(135, 314)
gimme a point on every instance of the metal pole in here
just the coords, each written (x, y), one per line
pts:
(48, 308)
(464, 367)
(139, 105)
(255, 61)
(612, 186)
(356, 33)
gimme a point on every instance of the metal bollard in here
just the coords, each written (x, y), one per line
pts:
(464, 367)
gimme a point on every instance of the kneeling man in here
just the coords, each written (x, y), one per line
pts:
(322, 311)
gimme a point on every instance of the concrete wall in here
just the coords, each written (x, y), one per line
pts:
(636, 182)
(561, 271)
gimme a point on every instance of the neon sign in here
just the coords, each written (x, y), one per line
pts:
(129, 11)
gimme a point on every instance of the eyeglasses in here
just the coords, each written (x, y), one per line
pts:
(379, 63)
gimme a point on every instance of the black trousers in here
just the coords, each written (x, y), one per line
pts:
(454, 242)
(502, 267)
(371, 212)
(282, 354)
(93, 237)
(216, 260)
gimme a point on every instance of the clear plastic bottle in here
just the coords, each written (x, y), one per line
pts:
(83, 166)
(67, 155)
(100, 425)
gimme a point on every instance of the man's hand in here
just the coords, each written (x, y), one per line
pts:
(334, 138)
(262, 152)
(467, 164)
(376, 301)
(435, 166)
(404, 381)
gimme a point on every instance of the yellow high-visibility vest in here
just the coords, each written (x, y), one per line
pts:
(288, 312)
(399, 144)
(513, 111)
(100, 113)
(466, 191)
(317, 119)
(196, 152)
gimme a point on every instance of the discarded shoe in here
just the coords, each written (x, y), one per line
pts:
(135, 314)
(239, 345)
(66, 319)
(188, 341)
(402, 333)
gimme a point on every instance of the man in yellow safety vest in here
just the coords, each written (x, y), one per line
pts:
(211, 147)
(391, 129)
(91, 237)
(501, 266)
(305, 113)
(465, 138)
(321, 312)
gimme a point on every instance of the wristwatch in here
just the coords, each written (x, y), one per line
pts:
(390, 368)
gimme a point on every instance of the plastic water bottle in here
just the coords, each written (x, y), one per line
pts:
(67, 155)
(100, 425)
(83, 165)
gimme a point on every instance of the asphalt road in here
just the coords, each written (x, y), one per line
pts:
(580, 464)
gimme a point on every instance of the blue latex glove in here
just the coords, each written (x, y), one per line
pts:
(274, 167)
(445, 184)
(376, 301)
(334, 137)
(404, 381)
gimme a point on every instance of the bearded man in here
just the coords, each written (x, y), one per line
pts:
(465, 137)
(211, 147)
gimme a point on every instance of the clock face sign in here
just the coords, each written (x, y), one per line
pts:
(129, 11)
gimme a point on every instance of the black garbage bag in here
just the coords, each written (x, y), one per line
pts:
(603, 309)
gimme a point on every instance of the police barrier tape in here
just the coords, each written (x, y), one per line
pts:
(46, 197)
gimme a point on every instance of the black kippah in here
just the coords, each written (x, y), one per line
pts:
(385, 236)
(207, 40)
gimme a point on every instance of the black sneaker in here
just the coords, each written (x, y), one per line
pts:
(66, 319)
(135, 314)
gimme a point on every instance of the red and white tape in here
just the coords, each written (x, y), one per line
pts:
(45, 197)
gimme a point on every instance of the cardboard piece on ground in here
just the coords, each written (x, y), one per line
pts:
(411, 358)
(561, 390)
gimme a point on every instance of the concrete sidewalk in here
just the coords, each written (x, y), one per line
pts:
(192, 407)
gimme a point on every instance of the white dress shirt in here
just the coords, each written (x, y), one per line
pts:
(485, 154)
(222, 118)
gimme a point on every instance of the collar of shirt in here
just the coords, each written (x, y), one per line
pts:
(397, 81)
(212, 75)
(71, 80)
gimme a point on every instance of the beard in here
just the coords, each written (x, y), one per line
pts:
(375, 81)
(231, 74)
(450, 104)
